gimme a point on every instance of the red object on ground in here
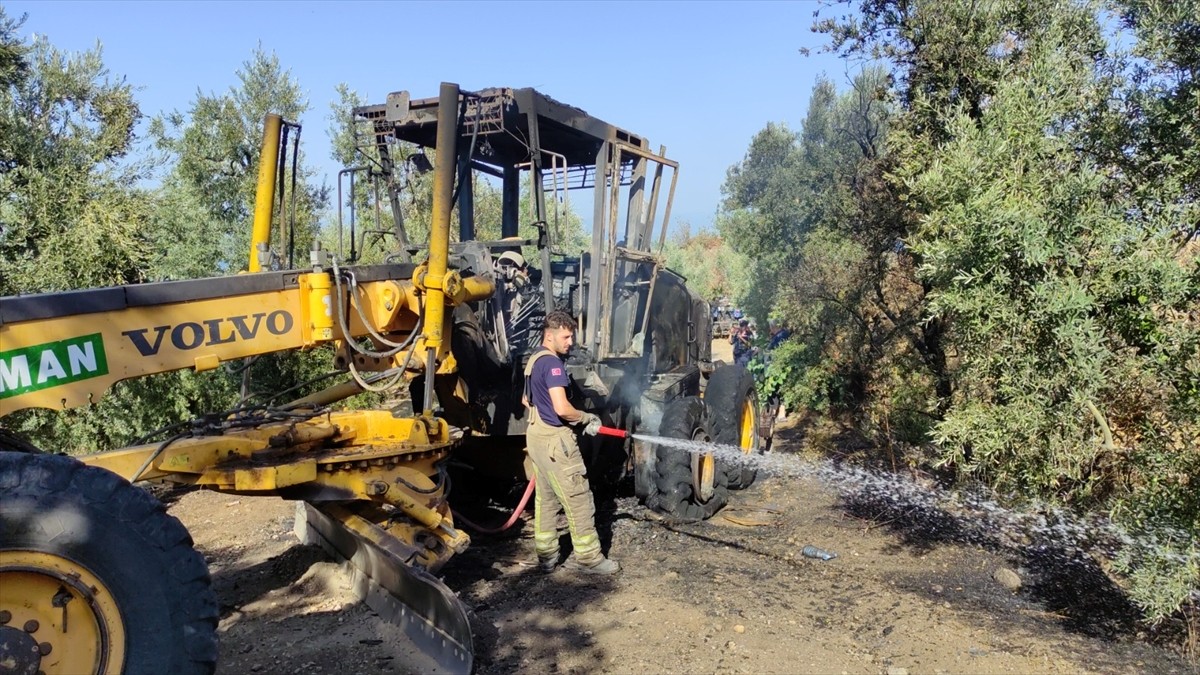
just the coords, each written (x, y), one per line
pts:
(612, 431)
(511, 519)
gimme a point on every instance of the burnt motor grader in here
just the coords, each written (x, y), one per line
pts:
(95, 576)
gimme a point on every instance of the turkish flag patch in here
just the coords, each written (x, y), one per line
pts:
(556, 371)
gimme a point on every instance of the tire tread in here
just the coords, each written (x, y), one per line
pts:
(193, 606)
(728, 388)
(672, 493)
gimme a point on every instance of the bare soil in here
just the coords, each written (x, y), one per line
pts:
(733, 595)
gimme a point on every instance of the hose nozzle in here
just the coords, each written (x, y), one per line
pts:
(613, 431)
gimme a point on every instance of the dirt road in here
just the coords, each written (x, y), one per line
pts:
(709, 598)
(717, 597)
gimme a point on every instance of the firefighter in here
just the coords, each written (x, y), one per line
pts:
(558, 468)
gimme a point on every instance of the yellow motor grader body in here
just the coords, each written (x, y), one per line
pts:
(82, 550)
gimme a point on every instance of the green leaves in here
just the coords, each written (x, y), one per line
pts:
(1052, 182)
(709, 263)
(1020, 239)
(70, 211)
(75, 215)
(818, 216)
(213, 154)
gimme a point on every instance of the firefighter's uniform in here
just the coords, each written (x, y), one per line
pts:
(562, 483)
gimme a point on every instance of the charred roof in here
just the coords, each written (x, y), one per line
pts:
(505, 123)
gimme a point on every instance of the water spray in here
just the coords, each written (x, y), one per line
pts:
(978, 518)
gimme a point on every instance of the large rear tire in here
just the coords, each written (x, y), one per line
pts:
(688, 487)
(733, 405)
(83, 547)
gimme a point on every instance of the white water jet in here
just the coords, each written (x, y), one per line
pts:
(977, 518)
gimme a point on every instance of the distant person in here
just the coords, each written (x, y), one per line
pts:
(778, 333)
(742, 339)
(558, 469)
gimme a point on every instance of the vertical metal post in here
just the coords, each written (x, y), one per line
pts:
(662, 236)
(394, 199)
(646, 241)
(614, 197)
(264, 196)
(281, 172)
(637, 200)
(510, 210)
(466, 200)
(439, 235)
(539, 204)
(535, 166)
(292, 210)
(353, 219)
(378, 205)
(598, 218)
(610, 262)
(341, 204)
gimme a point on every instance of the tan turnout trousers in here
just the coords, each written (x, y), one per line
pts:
(562, 483)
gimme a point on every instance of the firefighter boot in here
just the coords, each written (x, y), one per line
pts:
(601, 566)
(547, 562)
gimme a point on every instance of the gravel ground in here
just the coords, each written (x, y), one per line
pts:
(716, 597)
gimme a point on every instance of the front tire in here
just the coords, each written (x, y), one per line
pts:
(81, 546)
(688, 487)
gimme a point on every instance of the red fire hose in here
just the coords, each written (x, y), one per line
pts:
(511, 519)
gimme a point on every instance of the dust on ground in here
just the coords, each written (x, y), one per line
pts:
(733, 595)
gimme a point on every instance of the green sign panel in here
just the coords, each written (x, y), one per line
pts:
(51, 364)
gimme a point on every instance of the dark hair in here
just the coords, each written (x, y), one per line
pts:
(559, 318)
(743, 322)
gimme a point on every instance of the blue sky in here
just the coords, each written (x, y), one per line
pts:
(699, 77)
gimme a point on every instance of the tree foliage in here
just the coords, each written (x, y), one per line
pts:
(70, 213)
(213, 154)
(815, 210)
(708, 262)
(72, 206)
(203, 218)
(1010, 268)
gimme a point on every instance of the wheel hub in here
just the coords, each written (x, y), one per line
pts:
(19, 652)
(704, 470)
(748, 438)
(51, 602)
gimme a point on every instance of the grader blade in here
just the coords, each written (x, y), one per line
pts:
(425, 610)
